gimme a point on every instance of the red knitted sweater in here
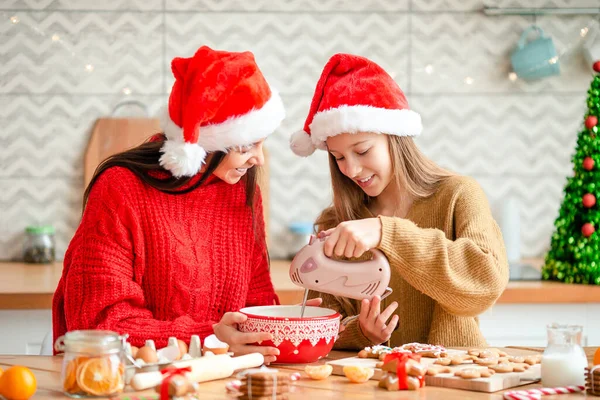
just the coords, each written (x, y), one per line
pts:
(155, 265)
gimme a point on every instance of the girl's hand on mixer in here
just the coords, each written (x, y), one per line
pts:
(373, 323)
(239, 343)
(352, 238)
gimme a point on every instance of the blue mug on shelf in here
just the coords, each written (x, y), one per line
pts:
(535, 59)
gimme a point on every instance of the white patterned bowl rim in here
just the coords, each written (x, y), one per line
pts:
(289, 313)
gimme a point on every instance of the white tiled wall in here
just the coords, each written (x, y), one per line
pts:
(515, 138)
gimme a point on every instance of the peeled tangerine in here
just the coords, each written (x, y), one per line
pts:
(318, 372)
(358, 374)
(597, 357)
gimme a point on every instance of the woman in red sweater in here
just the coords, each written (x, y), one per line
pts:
(172, 238)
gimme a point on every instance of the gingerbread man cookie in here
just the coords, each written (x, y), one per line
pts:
(474, 373)
(438, 369)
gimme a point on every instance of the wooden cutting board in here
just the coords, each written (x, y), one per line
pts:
(493, 384)
(114, 135)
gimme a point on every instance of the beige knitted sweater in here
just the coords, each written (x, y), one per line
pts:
(448, 266)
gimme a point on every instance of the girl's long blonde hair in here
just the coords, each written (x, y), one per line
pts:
(412, 170)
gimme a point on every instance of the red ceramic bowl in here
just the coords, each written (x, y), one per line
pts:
(299, 340)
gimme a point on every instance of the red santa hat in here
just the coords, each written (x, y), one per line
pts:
(354, 95)
(219, 100)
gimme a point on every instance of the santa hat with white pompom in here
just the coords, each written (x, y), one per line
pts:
(354, 95)
(219, 100)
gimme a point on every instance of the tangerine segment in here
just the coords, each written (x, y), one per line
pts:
(318, 372)
(100, 376)
(358, 374)
(70, 378)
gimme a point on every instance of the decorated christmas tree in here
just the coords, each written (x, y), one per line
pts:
(574, 255)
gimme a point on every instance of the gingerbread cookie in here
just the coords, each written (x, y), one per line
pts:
(499, 352)
(269, 397)
(502, 368)
(374, 351)
(267, 390)
(438, 369)
(389, 381)
(487, 353)
(474, 373)
(395, 350)
(487, 361)
(266, 377)
(426, 350)
(264, 383)
(520, 367)
(412, 367)
(455, 360)
(532, 360)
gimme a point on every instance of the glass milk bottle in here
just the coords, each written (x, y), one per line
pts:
(564, 361)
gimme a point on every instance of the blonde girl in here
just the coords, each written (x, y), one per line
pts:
(446, 251)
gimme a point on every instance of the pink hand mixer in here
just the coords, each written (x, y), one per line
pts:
(313, 270)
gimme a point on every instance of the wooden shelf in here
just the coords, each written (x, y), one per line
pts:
(31, 286)
(28, 286)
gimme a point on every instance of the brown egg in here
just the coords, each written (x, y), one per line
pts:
(217, 350)
(183, 348)
(134, 351)
(147, 354)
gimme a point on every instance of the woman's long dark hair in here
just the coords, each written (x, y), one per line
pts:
(143, 159)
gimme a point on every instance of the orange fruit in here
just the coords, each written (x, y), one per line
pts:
(100, 376)
(17, 383)
(597, 357)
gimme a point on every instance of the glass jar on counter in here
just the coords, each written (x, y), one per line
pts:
(300, 236)
(39, 246)
(93, 363)
(564, 360)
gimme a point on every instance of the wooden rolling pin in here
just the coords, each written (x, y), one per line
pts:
(207, 368)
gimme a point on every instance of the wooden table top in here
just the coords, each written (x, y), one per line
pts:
(31, 286)
(47, 372)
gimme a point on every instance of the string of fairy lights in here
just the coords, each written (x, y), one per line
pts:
(470, 77)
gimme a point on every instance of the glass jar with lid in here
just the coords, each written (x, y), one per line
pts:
(300, 235)
(39, 246)
(93, 363)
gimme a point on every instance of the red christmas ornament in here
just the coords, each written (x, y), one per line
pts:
(587, 229)
(597, 66)
(588, 163)
(589, 200)
(591, 121)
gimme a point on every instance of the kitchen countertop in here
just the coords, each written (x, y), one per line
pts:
(47, 372)
(31, 286)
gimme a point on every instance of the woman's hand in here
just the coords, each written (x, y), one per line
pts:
(227, 331)
(373, 323)
(352, 238)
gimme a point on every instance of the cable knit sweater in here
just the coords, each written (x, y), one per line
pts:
(448, 266)
(155, 265)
